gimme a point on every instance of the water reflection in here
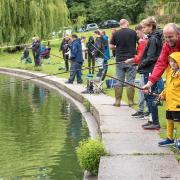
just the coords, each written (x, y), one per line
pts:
(39, 132)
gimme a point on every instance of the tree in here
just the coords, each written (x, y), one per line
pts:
(21, 19)
(108, 9)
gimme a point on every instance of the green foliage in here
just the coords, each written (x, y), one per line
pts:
(87, 105)
(164, 10)
(89, 153)
(97, 11)
(20, 20)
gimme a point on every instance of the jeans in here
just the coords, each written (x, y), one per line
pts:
(151, 101)
(100, 64)
(75, 70)
(141, 98)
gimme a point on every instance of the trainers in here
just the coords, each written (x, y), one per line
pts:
(147, 124)
(152, 127)
(79, 82)
(68, 82)
(141, 116)
(137, 114)
(166, 142)
(146, 114)
(177, 144)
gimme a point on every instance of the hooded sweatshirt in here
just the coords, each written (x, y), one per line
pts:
(172, 91)
(151, 52)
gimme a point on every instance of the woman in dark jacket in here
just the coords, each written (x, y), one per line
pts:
(64, 48)
(149, 58)
(91, 58)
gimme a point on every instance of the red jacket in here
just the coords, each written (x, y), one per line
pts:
(140, 50)
(162, 62)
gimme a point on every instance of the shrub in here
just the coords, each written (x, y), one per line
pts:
(89, 153)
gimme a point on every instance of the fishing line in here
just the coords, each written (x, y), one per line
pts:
(27, 44)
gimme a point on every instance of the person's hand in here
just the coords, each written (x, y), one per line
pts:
(129, 61)
(146, 87)
(161, 97)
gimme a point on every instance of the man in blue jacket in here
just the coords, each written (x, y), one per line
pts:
(76, 60)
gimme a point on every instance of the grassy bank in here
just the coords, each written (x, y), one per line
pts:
(13, 61)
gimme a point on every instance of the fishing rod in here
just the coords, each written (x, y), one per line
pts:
(85, 68)
(56, 56)
(27, 44)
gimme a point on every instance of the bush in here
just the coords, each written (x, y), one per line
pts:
(89, 153)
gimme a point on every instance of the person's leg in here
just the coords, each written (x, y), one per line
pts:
(170, 128)
(100, 64)
(78, 72)
(105, 69)
(89, 63)
(72, 72)
(152, 105)
(93, 64)
(118, 88)
(141, 99)
(131, 75)
(66, 61)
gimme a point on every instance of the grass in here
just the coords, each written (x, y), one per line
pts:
(13, 61)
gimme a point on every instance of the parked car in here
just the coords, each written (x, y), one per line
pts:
(109, 24)
(92, 26)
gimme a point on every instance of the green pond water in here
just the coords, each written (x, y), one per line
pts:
(39, 132)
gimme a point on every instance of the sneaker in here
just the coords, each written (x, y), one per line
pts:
(166, 142)
(177, 144)
(147, 124)
(152, 127)
(69, 82)
(79, 82)
(137, 114)
(141, 116)
(146, 114)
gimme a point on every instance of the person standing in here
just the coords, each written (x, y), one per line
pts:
(64, 48)
(76, 60)
(36, 47)
(91, 58)
(84, 49)
(113, 30)
(171, 95)
(148, 61)
(106, 55)
(99, 47)
(124, 43)
(142, 43)
(171, 34)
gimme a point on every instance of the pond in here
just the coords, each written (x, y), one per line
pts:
(39, 132)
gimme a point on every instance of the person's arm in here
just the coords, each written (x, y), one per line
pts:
(74, 50)
(159, 68)
(112, 43)
(140, 51)
(151, 54)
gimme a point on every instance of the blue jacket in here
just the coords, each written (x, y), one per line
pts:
(76, 51)
(106, 49)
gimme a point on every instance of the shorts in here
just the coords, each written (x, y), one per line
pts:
(173, 115)
(125, 71)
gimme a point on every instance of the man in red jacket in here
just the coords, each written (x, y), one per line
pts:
(172, 44)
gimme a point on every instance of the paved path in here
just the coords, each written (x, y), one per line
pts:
(133, 152)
